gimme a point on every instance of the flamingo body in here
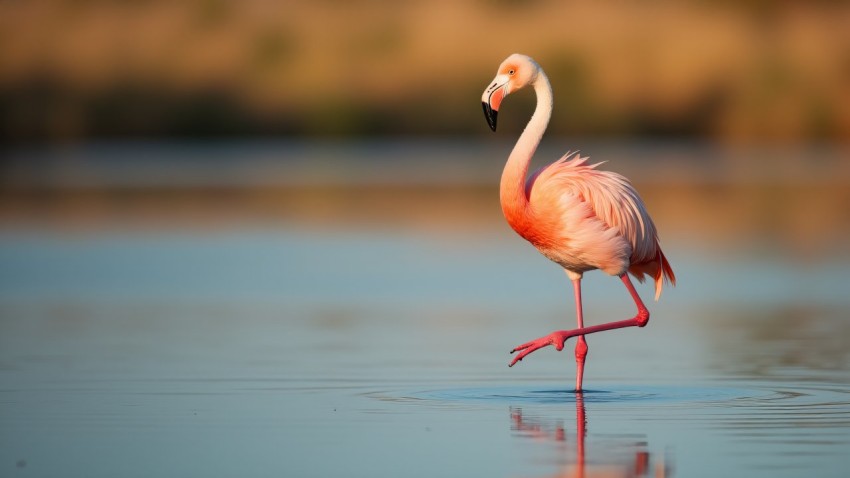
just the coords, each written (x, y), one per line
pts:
(584, 218)
(580, 217)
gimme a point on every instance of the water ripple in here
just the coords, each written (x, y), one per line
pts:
(741, 408)
(517, 395)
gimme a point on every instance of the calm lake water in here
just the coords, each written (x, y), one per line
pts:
(323, 351)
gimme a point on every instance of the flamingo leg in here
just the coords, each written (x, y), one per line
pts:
(558, 338)
(581, 343)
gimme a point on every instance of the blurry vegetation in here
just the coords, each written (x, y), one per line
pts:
(734, 70)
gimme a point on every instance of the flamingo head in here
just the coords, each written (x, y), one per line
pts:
(516, 72)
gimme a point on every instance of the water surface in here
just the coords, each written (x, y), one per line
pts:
(310, 341)
(278, 352)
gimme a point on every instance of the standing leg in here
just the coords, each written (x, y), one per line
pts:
(558, 338)
(581, 344)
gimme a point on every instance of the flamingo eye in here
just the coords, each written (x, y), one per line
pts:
(511, 71)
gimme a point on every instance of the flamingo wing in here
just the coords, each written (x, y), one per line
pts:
(612, 200)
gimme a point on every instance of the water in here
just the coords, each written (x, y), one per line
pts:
(281, 352)
(295, 349)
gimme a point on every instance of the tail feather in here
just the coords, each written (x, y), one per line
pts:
(662, 274)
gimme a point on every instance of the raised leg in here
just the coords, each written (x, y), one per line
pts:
(557, 339)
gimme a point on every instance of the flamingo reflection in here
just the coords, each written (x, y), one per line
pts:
(613, 457)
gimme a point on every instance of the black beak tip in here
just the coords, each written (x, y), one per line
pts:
(490, 114)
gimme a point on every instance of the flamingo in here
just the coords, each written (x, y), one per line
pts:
(578, 216)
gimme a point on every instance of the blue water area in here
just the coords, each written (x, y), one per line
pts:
(283, 352)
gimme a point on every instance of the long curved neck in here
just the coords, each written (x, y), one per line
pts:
(512, 188)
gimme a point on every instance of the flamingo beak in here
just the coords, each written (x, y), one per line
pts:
(492, 98)
(490, 114)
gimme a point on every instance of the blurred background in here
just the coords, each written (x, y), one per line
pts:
(752, 70)
(227, 226)
(328, 111)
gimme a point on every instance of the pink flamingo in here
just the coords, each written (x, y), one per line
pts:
(576, 215)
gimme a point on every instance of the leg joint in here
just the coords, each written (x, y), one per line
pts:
(642, 318)
(581, 349)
